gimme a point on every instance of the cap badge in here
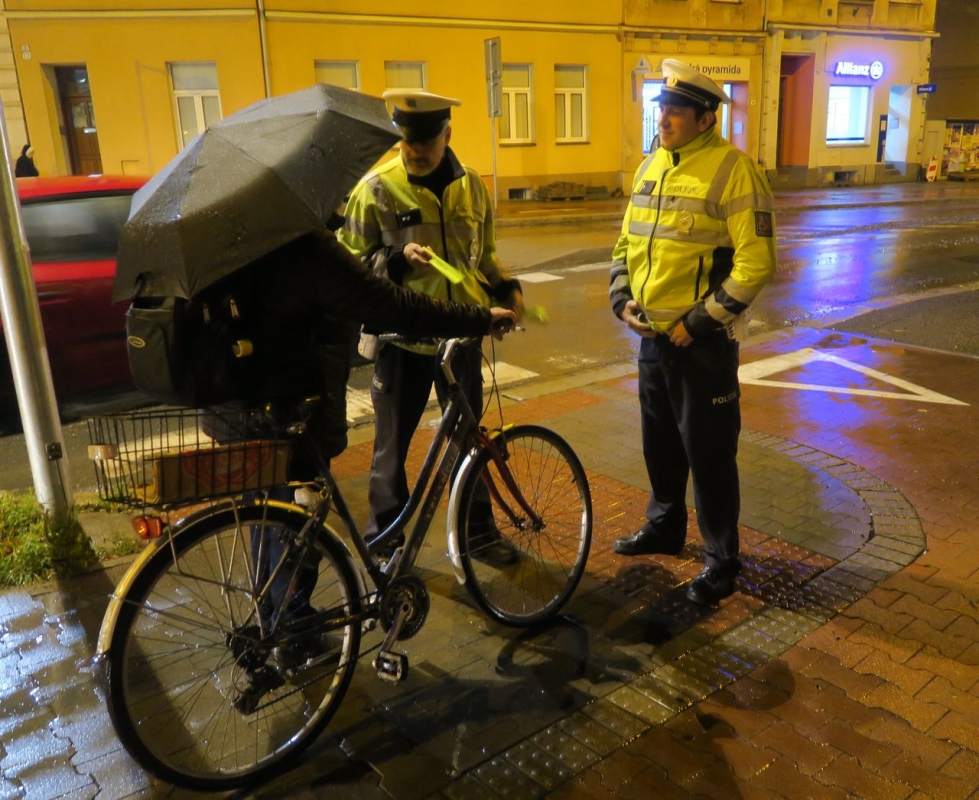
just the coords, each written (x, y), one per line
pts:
(411, 102)
(671, 80)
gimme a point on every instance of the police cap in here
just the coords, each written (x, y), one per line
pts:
(685, 86)
(420, 115)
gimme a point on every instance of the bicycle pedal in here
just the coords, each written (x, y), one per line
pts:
(391, 667)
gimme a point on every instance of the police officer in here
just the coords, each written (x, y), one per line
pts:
(697, 245)
(424, 202)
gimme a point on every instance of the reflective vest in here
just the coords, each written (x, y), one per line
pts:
(698, 238)
(385, 211)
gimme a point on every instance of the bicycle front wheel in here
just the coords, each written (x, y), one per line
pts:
(525, 553)
(201, 690)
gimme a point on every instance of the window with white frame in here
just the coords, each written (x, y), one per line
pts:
(570, 103)
(847, 116)
(338, 73)
(196, 100)
(517, 119)
(404, 75)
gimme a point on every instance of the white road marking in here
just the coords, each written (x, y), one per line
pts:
(591, 267)
(757, 373)
(538, 277)
(360, 409)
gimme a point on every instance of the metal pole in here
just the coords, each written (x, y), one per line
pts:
(260, 8)
(29, 363)
(496, 182)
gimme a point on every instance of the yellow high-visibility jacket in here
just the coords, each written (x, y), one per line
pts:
(698, 237)
(385, 212)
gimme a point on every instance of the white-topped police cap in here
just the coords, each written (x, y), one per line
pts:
(685, 86)
(420, 115)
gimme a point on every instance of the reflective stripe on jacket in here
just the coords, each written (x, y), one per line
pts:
(698, 239)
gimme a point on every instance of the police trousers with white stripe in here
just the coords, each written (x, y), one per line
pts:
(691, 421)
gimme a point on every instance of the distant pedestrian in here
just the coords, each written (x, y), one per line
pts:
(24, 168)
(697, 245)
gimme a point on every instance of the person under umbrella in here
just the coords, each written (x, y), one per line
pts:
(308, 301)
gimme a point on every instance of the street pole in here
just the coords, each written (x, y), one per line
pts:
(29, 362)
(494, 100)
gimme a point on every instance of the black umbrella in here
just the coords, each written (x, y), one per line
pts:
(247, 185)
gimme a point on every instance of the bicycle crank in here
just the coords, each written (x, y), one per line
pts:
(404, 608)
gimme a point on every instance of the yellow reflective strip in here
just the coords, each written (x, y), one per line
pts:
(694, 236)
(719, 183)
(759, 202)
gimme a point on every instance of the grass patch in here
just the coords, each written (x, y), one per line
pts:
(31, 549)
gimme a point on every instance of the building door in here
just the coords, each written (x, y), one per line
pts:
(78, 116)
(899, 137)
(795, 100)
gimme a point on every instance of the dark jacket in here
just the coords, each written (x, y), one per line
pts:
(24, 168)
(307, 301)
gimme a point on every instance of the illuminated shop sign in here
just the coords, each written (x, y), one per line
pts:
(848, 69)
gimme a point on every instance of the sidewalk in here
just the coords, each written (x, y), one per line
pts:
(846, 664)
(518, 213)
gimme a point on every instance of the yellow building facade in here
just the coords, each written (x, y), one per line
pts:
(119, 86)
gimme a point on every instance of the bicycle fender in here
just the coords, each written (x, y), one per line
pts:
(125, 583)
(121, 590)
(452, 523)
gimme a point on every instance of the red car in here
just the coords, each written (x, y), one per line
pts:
(72, 226)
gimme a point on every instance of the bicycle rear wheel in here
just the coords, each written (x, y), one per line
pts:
(550, 555)
(199, 695)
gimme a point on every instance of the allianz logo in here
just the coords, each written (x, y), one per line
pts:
(874, 70)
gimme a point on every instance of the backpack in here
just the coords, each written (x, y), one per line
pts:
(196, 352)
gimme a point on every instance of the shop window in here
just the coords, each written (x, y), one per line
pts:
(404, 75)
(195, 98)
(344, 74)
(846, 120)
(571, 103)
(517, 119)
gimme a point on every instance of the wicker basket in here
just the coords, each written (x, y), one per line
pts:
(183, 455)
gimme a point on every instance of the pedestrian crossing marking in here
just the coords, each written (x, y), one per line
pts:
(601, 265)
(361, 410)
(757, 373)
(538, 277)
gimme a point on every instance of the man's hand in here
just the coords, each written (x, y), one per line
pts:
(633, 316)
(679, 335)
(416, 255)
(502, 321)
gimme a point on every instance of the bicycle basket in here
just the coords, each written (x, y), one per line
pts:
(179, 455)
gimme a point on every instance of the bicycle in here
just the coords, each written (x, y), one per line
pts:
(217, 678)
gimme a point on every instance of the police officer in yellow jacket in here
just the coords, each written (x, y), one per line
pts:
(424, 202)
(697, 245)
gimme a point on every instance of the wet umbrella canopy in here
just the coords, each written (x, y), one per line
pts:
(250, 183)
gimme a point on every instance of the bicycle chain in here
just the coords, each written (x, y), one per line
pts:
(409, 593)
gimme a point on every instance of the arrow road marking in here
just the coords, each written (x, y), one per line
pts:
(756, 373)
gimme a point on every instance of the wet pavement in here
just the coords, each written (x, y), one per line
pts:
(845, 665)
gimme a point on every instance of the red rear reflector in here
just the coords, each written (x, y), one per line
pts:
(148, 527)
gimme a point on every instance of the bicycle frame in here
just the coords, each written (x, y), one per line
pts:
(458, 431)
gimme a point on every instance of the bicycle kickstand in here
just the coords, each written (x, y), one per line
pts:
(392, 666)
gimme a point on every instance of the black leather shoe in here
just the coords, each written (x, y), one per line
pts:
(646, 541)
(713, 584)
